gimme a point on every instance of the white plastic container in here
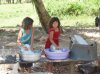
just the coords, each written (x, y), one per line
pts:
(30, 55)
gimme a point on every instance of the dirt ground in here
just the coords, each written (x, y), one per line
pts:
(8, 41)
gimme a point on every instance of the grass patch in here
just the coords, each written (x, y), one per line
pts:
(13, 14)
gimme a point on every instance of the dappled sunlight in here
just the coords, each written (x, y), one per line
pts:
(9, 40)
(77, 17)
(91, 35)
(96, 35)
(96, 40)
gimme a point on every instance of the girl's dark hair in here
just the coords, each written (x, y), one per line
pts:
(27, 23)
(53, 19)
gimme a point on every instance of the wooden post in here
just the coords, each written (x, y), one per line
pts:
(99, 20)
(0, 2)
(98, 62)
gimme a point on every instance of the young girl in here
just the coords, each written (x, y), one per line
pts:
(53, 36)
(26, 36)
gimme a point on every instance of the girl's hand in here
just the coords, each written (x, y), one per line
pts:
(31, 47)
(19, 43)
(57, 47)
(26, 48)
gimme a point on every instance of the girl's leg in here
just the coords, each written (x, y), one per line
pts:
(30, 69)
(21, 68)
(49, 66)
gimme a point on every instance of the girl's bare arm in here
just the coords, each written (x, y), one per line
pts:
(32, 38)
(18, 38)
(51, 39)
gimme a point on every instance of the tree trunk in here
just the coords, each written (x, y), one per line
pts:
(42, 13)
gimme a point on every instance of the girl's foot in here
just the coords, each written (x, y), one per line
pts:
(21, 70)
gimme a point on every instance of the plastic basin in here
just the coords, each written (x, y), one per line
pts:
(34, 55)
(58, 54)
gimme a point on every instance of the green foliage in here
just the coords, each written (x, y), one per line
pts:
(69, 12)
(56, 7)
(74, 9)
(63, 8)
